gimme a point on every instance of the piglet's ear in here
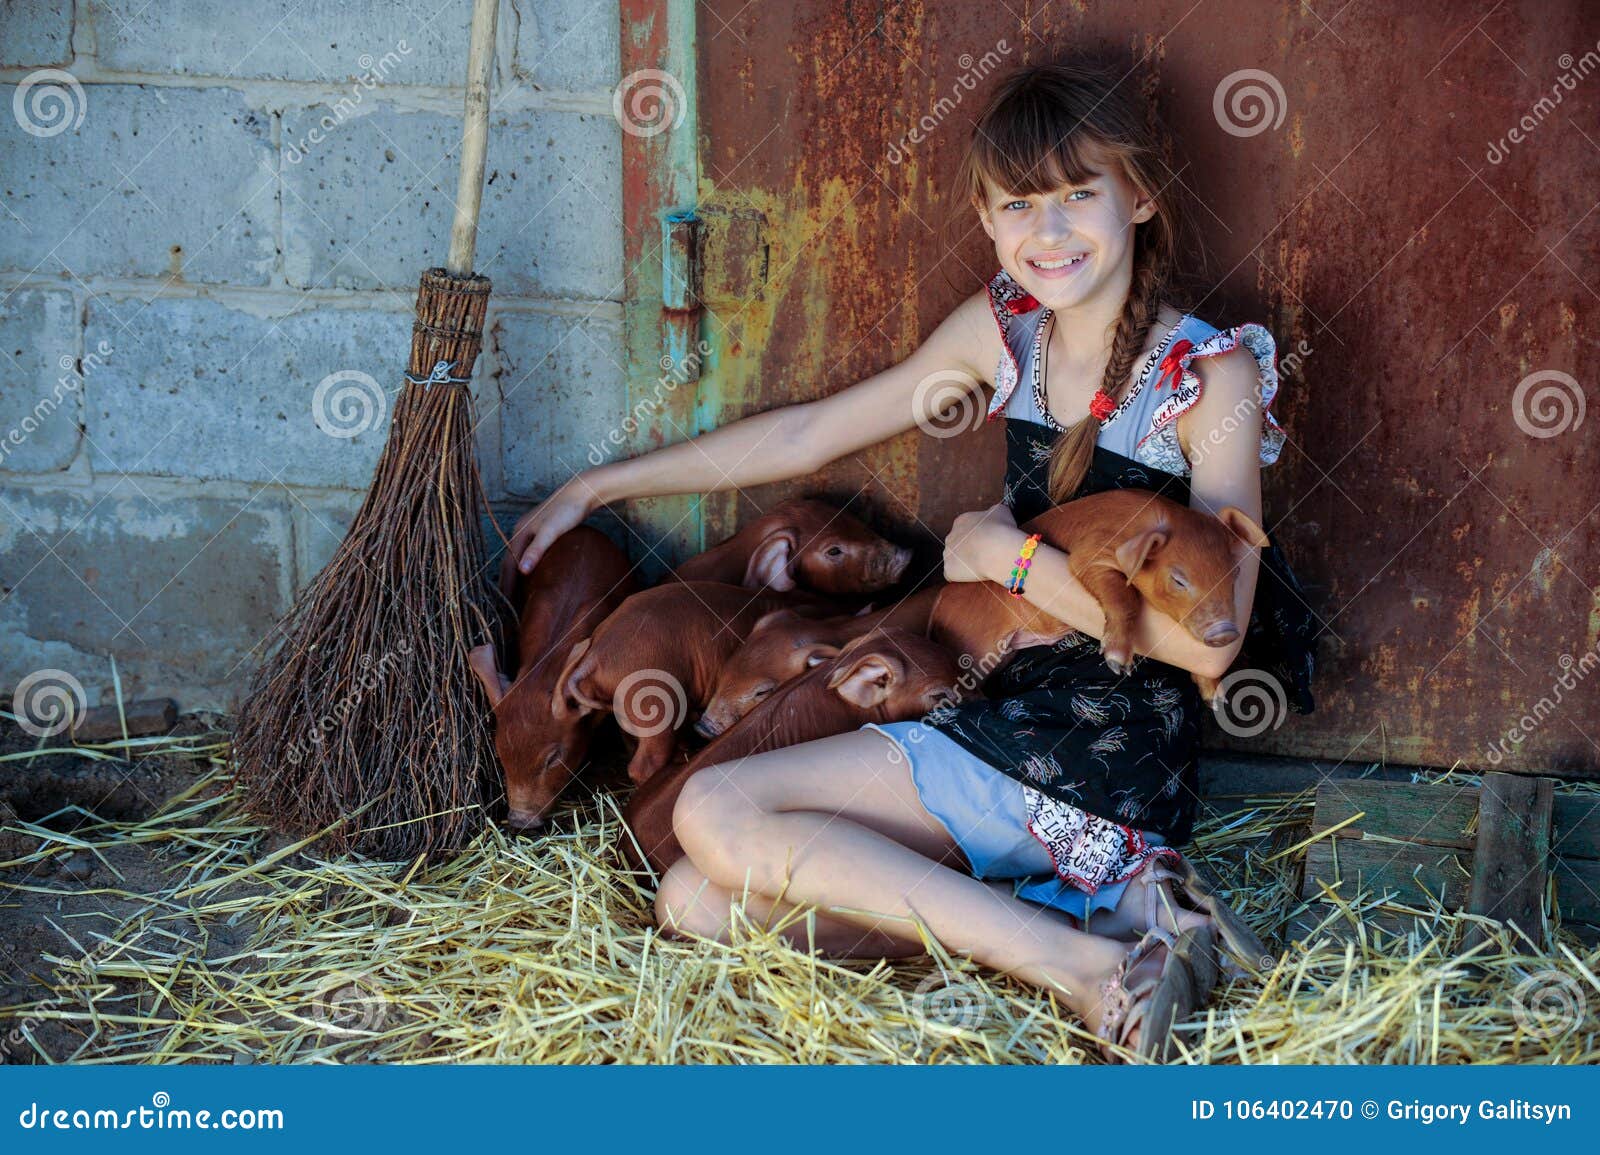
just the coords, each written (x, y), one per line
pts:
(771, 618)
(820, 652)
(484, 665)
(868, 681)
(772, 562)
(1243, 526)
(1133, 553)
(568, 702)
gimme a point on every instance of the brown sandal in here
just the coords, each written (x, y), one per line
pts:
(1154, 1005)
(1239, 940)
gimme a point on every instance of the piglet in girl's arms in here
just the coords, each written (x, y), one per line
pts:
(1123, 545)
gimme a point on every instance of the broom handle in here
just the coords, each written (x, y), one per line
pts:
(474, 139)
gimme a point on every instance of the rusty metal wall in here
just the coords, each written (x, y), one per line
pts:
(1416, 261)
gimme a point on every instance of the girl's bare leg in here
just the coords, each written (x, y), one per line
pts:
(833, 823)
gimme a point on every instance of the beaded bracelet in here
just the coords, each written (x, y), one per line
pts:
(1019, 572)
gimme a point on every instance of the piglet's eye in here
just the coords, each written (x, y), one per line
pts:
(835, 551)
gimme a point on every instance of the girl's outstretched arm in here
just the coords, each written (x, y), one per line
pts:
(778, 444)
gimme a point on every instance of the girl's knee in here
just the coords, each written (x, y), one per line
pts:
(716, 824)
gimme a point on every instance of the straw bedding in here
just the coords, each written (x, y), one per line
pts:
(255, 949)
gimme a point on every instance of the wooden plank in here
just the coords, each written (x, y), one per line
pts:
(104, 724)
(1578, 890)
(1575, 826)
(1410, 874)
(1513, 854)
(1427, 814)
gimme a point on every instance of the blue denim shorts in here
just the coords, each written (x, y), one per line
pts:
(987, 815)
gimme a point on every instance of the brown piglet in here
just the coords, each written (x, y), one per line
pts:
(802, 543)
(785, 644)
(656, 658)
(1125, 546)
(888, 675)
(580, 580)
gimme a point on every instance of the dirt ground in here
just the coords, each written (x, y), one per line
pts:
(53, 907)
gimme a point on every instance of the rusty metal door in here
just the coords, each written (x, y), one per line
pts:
(1403, 192)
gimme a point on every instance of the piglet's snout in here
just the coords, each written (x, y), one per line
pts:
(1222, 634)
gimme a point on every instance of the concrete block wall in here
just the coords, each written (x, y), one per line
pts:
(209, 208)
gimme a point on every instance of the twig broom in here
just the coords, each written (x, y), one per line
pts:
(366, 718)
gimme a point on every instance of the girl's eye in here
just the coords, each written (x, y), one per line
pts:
(1080, 192)
(1024, 204)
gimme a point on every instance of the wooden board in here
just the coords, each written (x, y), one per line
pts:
(1512, 857)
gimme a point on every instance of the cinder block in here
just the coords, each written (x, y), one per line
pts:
(198, 389)
(177, 591)
(569, 44)
(319, 526)
(152, 182)
(41, 395)
(35, 33)
(374, 42)
(563, 392)
(368, 200)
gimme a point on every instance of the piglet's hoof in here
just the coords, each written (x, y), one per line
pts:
(1118, 658)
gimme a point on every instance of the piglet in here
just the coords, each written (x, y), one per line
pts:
(801, 543)
(888, 675)
(1124, 545)
(785, 644)
(580, 579)
(658, 656)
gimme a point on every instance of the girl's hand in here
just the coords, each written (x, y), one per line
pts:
(982, 546)
(563, 510)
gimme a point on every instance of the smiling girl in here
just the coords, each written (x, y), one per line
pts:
(1069, 787)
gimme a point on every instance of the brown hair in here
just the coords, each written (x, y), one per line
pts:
(1051, 124)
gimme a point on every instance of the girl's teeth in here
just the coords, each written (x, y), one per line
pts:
(1061, 264)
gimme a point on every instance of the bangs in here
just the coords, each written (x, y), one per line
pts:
(1027, 153)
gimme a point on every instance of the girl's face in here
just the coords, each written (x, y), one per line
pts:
(1073, 244)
